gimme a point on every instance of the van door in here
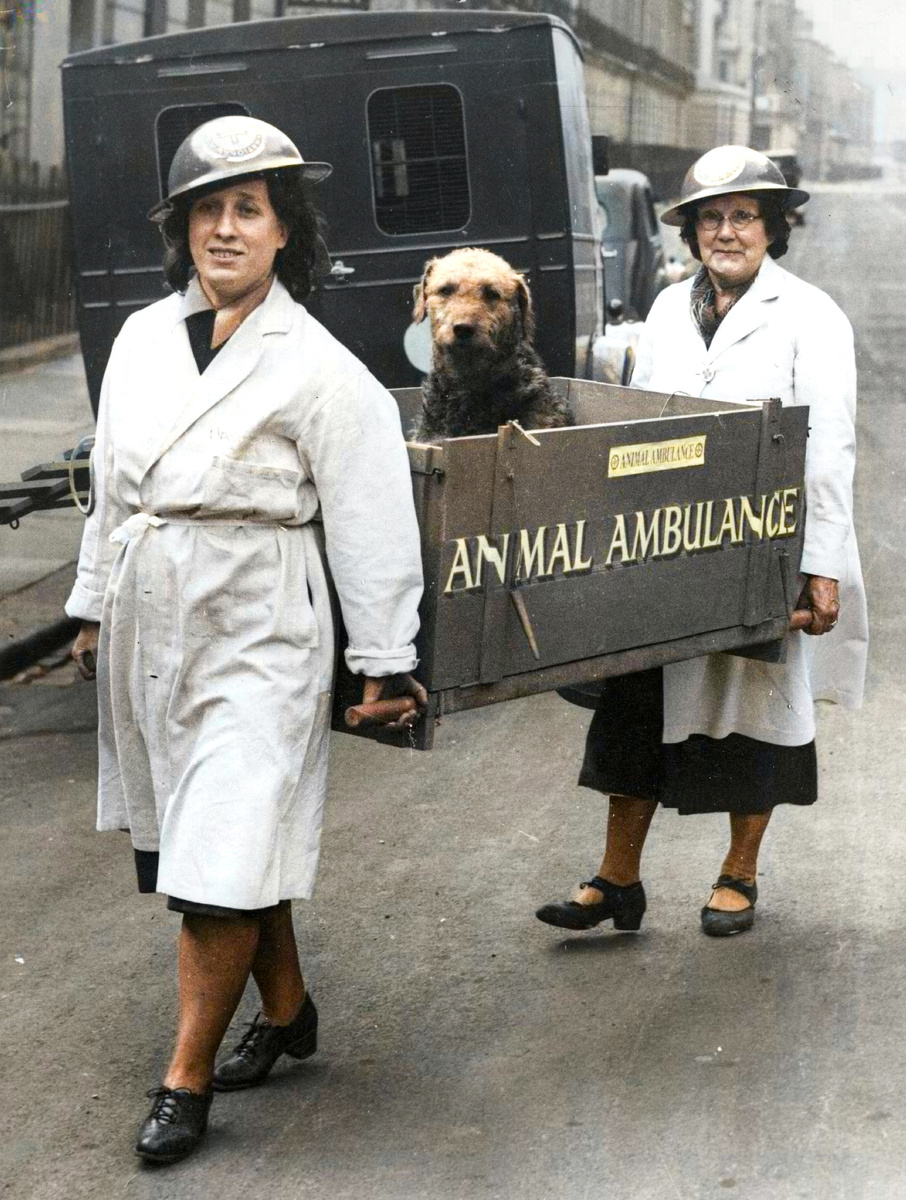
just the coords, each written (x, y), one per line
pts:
(586, 264)
(429, 153)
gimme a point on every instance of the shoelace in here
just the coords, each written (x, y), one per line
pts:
(166, 1105)
(255, 1031)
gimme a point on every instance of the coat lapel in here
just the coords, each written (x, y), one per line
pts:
(751, 311)
(233, 364)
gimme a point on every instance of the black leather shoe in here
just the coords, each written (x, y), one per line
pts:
(716, 923)
(175, 1125)
(626, 905)
(262, 1045)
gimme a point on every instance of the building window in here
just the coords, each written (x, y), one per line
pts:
(419, 169)
(123, 22)
(81, 25)
(218, 12)
(177, 15)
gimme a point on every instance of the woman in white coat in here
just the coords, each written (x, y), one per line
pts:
(725, 733)
(235, 439)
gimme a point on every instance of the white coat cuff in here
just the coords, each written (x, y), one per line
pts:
(824, 552)
(83, 604)
(378, 663)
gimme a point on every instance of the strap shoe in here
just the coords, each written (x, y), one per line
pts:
(625, 905)
(719, 923)
(175, 1125)
(263, 1043)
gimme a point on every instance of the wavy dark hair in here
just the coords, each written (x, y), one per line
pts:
(298, 265)
(772, 210)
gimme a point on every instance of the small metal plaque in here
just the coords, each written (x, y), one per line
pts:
(645, 457)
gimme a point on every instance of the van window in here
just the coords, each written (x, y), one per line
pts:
(176, 123)
(419, 168)
(576, 131)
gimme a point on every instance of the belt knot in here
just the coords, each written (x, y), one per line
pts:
(134, 526)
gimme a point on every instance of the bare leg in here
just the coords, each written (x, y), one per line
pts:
(628, 821)
(741, 862)
(215, 958)
(276, 967)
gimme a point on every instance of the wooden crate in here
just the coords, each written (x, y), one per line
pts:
(657, 529)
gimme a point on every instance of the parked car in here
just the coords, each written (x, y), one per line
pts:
(788, 162)
(634, 262)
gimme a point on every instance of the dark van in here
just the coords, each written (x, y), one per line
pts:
(445, 129)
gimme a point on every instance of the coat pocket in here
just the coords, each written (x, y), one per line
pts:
(248, 582)
(253, 491)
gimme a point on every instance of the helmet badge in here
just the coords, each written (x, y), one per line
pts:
(720, 166)
(239, 143)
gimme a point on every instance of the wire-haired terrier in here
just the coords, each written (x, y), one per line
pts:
(485, 371)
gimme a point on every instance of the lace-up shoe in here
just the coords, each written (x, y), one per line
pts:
(175, 1125)
(262, 1044)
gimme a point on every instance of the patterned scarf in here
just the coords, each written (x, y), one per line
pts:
(704, 304)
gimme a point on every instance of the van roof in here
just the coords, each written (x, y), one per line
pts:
(309, 32)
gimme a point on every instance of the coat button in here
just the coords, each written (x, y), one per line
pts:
(707, 374)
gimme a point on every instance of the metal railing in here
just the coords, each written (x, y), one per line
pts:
(36, 286)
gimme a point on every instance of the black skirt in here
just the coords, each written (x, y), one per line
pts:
(625, 756)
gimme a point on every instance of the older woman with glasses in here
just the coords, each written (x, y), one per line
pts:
(724, 733)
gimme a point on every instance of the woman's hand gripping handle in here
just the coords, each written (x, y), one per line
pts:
(85, 649)
(818, 606)
(395, 701)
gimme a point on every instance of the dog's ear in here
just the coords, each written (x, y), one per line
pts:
(420, 311)
(526, 311)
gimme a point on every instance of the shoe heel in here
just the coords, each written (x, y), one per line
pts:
(628, 922)
(305, 1047)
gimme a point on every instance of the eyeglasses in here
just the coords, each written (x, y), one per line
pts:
(740, 219)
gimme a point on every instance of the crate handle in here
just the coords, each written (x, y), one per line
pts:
(379, 712)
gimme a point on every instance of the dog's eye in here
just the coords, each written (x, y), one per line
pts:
(491, 293)
(446, 289)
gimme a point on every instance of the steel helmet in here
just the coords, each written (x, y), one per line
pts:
(228, 148)
(729, 169)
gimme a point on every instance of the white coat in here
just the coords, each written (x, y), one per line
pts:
(786, 339)
(216, 653)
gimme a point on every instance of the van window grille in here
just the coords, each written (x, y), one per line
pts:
(419, 168)
(176, 123)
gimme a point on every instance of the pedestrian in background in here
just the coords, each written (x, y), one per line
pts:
(724, 733)
(230, 420)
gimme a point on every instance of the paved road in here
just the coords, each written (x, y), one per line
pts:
(468, 1051)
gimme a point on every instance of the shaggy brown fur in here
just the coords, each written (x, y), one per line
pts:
(484, 371)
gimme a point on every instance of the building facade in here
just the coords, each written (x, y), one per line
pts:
(36, 35)
(639, 70)
(725, 56)
(639, 55)
(776, 109)
(665, 78)
(835, 133)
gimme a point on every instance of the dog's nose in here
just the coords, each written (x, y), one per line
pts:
(463, 332)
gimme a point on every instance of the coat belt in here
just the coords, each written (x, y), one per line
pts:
(136, 525)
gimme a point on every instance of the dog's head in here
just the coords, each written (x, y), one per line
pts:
(477, 303)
